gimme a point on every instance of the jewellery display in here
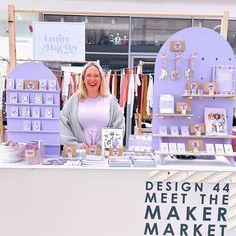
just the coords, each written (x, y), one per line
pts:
(163, 74)
(31, 84)
(175, 74)
(197, 129)
(183, 107)
(188, 74)
(195, 145)
(193, 87)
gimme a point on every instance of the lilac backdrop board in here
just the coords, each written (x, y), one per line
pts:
(49, 132)
(211, 49)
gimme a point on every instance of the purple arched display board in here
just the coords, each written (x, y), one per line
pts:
(33, 106)
(209, 49)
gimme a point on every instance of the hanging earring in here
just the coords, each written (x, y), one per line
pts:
(188, 74)
(163, 74)
(175, 74)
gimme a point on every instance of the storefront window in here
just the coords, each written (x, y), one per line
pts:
(149, 34)
(232, 34)
(107, 34)
(211, 24)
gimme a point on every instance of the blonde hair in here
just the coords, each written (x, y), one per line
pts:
(82, 91)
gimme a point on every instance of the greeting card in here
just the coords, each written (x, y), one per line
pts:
(172, 147)
(164, 147)
(219, 149)
(185, 130)
(163, 130)
(13, 97)
(111, 138)
(10, 83)
(210, 148)
(228, 149)
(42, 84)
(26, 125)
(14, 111)
(19, 84)
(215, 121)
(49, 98)
(48, 112)
(36, 125)
(181, 147)
(25, 98)
(174, 130)
(38, 98)
(35, 112)
(52, 84)
(26, 112)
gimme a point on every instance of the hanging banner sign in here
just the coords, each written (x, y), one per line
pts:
(59, 41)
(183, 208)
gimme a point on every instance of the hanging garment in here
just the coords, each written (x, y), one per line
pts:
(149, 95)
(131, 94)
(114, 84)
(144, 95)
(124, 86)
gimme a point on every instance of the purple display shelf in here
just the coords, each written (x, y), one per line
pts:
(42, 107)
(211, 49)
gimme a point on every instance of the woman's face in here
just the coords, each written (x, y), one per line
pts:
(92, 80)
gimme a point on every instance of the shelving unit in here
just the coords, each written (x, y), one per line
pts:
(37, 116)
(214, 52)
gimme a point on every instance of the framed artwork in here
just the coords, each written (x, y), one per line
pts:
(38, 98)
(13, 98)
(36, 125)
(52, 85)
(26, 125)
(14, 111)
(31, 84)
(48, 112)
(35, 111)
(49, 98)
(10, 83)
(215, 121)
(225, 77)
(195, 145)
(42, 84)
(26, 112)
(19, 84)
(211, 87)
(25, 98)
(197, 128)
(183, 107)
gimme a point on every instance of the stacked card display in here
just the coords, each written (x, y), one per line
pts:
(33, 106)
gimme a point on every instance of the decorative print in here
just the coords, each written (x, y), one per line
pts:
(13, 97)
(31, 84)
(175, 74)
(36, 125)
(163, 74)
(49, 98)
(215, 121)
(25, 98)
(183, 107)
(193, 87)
(26, 125)
(188, 74)
(52, 84)
(38, 99)
(14, 111)
(198, 128)
(35, 111)
(211, 87)
(26, 112)
(48, 112)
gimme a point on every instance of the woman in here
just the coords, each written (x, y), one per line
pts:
(89, 110)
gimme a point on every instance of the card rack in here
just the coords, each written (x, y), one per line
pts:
(33, 106)
(173, 72)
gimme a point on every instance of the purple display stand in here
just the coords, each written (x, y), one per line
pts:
(211, 49)
(42, 121)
